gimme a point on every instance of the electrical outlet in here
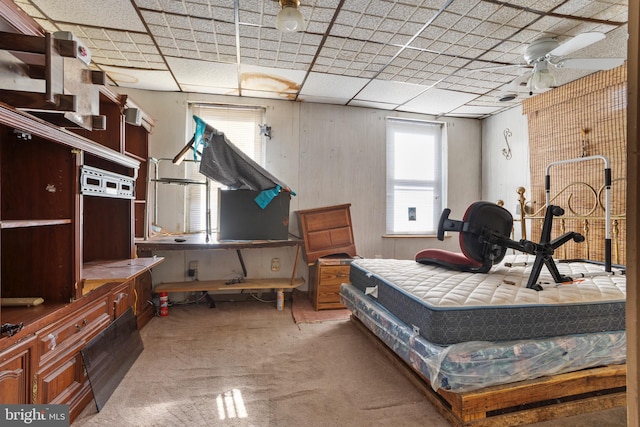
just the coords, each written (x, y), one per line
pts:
(193, 269)
(275, 264)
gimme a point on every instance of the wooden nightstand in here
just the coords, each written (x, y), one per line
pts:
(329, 249)
(325, 278)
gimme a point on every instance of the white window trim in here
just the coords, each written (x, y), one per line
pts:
(194, 193)
(390, 182)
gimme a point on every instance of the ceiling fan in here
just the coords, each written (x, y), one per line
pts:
(547, 52)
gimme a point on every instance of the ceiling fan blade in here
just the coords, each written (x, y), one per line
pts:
(590, 63)
(520, 83)
(578, 42)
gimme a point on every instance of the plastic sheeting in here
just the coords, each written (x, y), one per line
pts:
(227, 164)
(477, 364)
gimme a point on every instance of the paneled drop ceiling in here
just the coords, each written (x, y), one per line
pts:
(441, 57)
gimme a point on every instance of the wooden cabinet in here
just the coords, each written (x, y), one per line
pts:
(61, 377)
(327, 231)
(16, 364)
(325, 278)
(71, 185)
(144, 308)
(329, 249)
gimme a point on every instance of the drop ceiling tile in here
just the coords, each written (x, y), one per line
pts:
(200, 10)
(203, 73)
(322, 99)
(321, 15)
(463, 8)
(481, 9)
(32, 11)
(341, 30)
(367, 41)
(468, 24)
(331, 86)
(437, 101)
(178, 21)
(209, 90)
(270, 79)
(373, 8)
(47, 25)
(141, 79)
(476, 110)
(389, 91)
(369, 104)
(118, 14)
(369, 22)
(269, 95)
(160, 32)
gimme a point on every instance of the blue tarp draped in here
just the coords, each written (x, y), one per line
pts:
(225, 163)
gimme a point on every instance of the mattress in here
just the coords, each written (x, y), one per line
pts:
(447, 307)
(473, 365)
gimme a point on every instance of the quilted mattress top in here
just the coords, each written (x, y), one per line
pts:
(502, 286)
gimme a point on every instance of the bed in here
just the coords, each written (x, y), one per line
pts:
(465, 331)
(480, 338)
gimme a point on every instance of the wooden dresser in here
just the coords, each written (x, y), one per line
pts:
(329, 250)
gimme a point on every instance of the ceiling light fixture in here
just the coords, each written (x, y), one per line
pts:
(542, 78)
(289, 19)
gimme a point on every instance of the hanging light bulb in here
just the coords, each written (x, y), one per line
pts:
(289, 19)
(542, 78)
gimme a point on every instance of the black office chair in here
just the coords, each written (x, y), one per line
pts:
(484, 240)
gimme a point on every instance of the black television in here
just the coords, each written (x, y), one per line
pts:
(241, 218)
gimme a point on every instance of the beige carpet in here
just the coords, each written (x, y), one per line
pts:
(303, 312)
(247, 364)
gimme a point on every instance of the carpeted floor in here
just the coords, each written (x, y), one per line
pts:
(247, 364)
(303, 312)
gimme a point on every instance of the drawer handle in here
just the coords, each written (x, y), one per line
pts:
(79, 327)
(121, 296)
(52, 341)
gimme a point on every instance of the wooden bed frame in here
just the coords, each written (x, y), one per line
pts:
(522, 402)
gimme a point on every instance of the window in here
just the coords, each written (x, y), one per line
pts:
(240, 124)
(415, 176)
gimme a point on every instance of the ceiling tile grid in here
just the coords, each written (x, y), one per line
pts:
(435, 57)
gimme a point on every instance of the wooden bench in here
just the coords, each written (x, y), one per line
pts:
(206, 286)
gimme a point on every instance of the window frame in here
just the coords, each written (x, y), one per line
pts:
(438, 184)
(195, 193)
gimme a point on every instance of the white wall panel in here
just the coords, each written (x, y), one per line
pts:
(329, 155)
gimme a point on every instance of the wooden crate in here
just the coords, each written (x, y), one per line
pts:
(522, 402)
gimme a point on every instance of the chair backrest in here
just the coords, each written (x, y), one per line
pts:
(484, 226)
(485, 220)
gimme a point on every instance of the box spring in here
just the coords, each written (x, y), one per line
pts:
(474, 365)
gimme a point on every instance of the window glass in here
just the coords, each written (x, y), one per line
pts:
(415, 171)
(241, 126)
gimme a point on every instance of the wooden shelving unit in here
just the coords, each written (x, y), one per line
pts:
(58, 242)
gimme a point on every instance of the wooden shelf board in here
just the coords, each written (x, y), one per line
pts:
(221, 285)
(32, 223)
(96, 274)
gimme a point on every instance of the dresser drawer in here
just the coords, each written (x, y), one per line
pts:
(82, 325)
(122, 297)
(326, 276)
(329, 293)
(334, 274)
(61, 382)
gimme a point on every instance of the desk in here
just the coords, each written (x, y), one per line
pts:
(190, 242)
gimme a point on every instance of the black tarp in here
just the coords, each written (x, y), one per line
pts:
(225, 163)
